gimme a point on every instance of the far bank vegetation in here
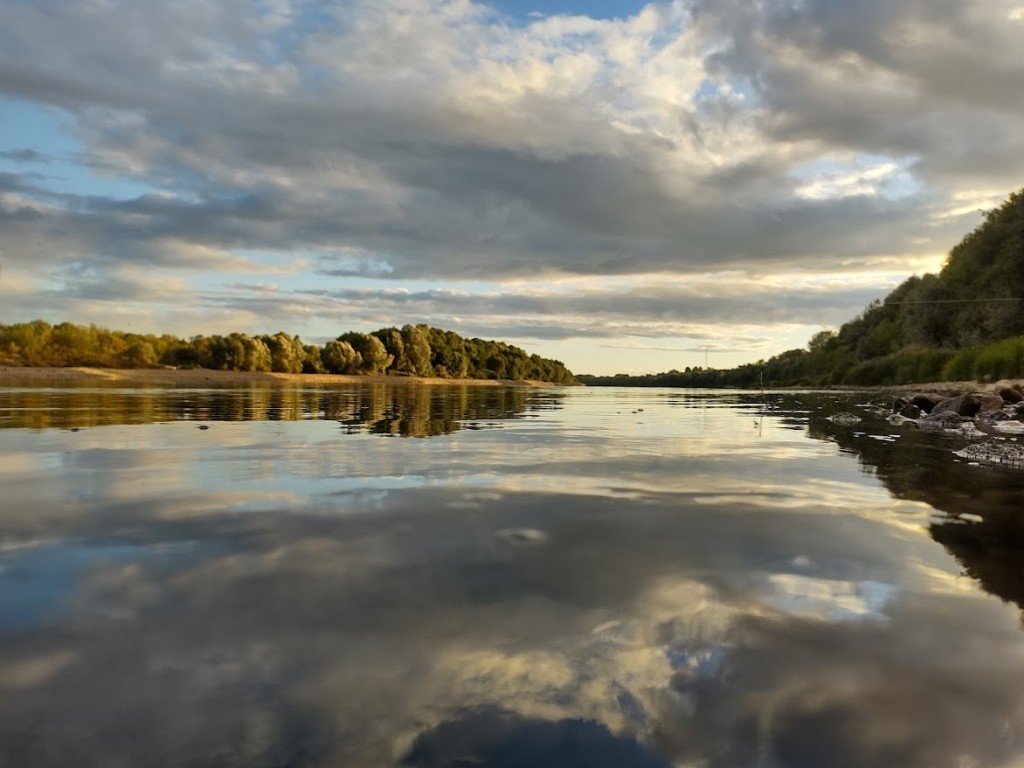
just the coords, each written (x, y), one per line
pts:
(964, 323)
(412, 350)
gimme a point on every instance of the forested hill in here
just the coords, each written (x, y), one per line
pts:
(966, 322)
(413, 350)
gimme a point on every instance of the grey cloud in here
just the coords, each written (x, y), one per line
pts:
(25, 155)
(940, 82)
(648, 313)
(446, 205)
(89, 284)
(737, 305)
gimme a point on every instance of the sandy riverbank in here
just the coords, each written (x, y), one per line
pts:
(198, 377)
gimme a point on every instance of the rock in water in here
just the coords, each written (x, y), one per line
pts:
(844, 418)
(1011, 426)
(941, 420)
(910, 411)
(962, 405)
(926, 401)
(988, 403)
(1010, 395)
(1006, 454)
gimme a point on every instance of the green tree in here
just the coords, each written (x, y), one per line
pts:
(139, 354)
(375, 358)
(340, 357)
(394, 345)
(417, 349)
(287, 354)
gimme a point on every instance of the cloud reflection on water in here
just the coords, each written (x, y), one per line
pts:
(346, 626)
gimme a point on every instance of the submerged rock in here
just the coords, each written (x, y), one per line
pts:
(898, 421)
(968, 429)
(941, 420)
(1010, 426)
(521, 536)
(993, 416)
(844, 418)
(1006, 454)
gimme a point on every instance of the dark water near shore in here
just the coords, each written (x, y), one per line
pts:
(579, 577)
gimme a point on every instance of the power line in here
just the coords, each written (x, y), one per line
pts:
(955, 301)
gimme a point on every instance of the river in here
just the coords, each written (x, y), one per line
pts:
(456, 576)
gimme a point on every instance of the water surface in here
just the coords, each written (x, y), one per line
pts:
(384, 576)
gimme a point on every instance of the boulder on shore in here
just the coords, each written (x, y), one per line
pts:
(1010, 395)
(996, 410)
(961, 405)
(910, 411)
(988, 403)
(926, 401)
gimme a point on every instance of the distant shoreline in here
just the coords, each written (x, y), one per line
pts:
(15, 376)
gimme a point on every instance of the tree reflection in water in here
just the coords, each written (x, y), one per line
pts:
(981, 521)
(400, 410)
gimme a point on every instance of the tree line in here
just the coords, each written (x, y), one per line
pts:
(412, 350)
(966, 322)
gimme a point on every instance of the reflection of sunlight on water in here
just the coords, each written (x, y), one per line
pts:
(828, 599)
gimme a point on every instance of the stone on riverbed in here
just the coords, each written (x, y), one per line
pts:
(910, 412)
(1010, 395)
(988, 403)
(1011, 427)
(1006, 454)
(961, 405)
(926, 401)
(844, 418)
(941, 420)
(992, 416)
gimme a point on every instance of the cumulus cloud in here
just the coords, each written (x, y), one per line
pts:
(437, 140)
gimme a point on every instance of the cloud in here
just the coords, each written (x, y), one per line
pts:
(450, 144)
(434, 140)
(24, 155)
(653, 306)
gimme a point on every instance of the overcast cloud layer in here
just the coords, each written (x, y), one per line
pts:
(691, 172)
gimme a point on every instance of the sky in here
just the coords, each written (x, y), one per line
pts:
(625, 187)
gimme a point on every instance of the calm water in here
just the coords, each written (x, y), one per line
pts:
(487, 577)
